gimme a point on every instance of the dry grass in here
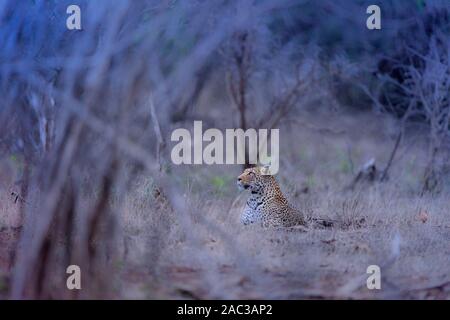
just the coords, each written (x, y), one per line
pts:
(206, 253)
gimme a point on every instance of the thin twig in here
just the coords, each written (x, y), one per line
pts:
(156, 126)
(392, 156)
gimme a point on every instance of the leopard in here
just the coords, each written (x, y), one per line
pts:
(267, 205)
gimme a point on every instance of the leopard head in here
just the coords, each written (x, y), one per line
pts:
(254, 179)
